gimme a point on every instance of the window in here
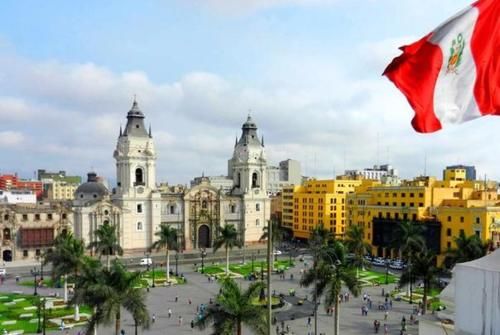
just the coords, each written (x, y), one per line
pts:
(139, 208)
(449, 218)
(6, 217)
(257, 207)
(257, 222)
(204, 204)
(255, 180)
(403, 195)
(448, 245)
(478, 233)
(25, 253)
(396, 216)
(405, 216)
(25, 217)
(414, 217)
(462, 231)
(171, 209)
(139, 176)
(412, 204)
(412, 195)
(448, 232)
(478, 220)
(37, 217)
(139, 226)
(462, 219)
(37, 252)
(64, 215)
(6, 234)
(106, 212)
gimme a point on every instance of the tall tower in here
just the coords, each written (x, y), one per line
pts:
(248, 166)
(136, 183)
(248, 169)
(135, 156)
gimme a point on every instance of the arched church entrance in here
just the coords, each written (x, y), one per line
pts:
(204, 237)
(7, 255)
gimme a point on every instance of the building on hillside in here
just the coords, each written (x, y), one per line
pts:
(17, 197)
(29, 230)
(377, 172)
(12, 182)
(321, 202)
(443, 207)
(138, 206)
(468, 170)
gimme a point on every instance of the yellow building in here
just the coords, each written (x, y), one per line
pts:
(444, 207)
(61, 190)
(321, 202)
(287, 206)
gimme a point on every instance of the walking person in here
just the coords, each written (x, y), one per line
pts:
(180, 320)
(169, 313)
(153, 318)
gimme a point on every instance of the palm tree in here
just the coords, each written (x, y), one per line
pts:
(467, 249)
(277, 236)
(329, 274)
(228, 238)
(233, 308)
(354, 240)
(108, 291)
(320, 236)
(409, 238)
(106, 242)
(66, 259)
(167, 240)
(423, 266)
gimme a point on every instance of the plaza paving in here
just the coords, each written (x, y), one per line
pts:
(200, 290)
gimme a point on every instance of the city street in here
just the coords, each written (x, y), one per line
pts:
(199, 290)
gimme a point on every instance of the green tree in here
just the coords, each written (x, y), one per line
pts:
(167, 239)
(467, 249)
(409, 239)
(320, 237)
(277, 236)
(106, 242)
(108, 291)
(329, 274)
(66, 259)
(233, 308)
(227, 238)
(423, 266)
(355, 243)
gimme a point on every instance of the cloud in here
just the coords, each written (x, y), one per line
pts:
(11, 139)
(239, 7)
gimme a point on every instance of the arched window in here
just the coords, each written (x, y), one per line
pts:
(232, 207)
(204, 204)
(255, 180)
(139, 225)
(238, 180)
(139, 176)
(6, 234)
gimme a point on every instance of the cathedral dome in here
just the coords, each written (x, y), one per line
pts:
(92, 189)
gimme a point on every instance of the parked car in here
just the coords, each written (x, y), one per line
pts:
(277, 252)
(3, 272)
(146, 261)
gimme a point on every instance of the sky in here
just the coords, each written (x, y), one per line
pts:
(308, 71)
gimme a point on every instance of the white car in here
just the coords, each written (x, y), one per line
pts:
(277, 252)
(3, 272)
(146, 261)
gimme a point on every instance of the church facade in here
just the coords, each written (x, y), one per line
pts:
(138, 206)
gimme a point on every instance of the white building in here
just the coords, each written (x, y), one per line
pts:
(17, 197)
(375, 173)
(138, 207)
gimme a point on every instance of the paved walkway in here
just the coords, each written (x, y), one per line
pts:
(199, 290)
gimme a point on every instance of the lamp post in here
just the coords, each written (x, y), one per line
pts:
(176, 264)
(40, 259)
(253, 258)
(411, 281)
(35, 273)
(153, 265)
(203, 254)
(262, 271)
(386, 271)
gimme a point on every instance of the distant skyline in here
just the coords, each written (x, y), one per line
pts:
(309, 71)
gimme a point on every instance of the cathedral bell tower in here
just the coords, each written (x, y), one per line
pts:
(135, 156)
(248, 166)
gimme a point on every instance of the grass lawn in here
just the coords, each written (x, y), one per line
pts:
(376, 278)
(257, 301)
(159, 277)
(47, 282)
(19, 312)
(246, 268)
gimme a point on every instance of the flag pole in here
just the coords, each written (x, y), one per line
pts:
(269, 269)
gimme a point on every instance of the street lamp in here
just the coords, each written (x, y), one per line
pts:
(176, 264)
(35, 273)
(203, 254)
(153, 265)
(253, 258)
(411, 280)
(40, 259)
(262, 271)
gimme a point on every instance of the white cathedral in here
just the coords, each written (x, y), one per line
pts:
(138, 206)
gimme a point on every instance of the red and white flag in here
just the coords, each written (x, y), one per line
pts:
(452, 75)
